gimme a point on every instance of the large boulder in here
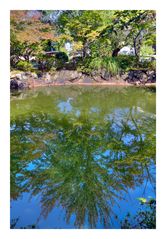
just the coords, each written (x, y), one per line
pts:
(139, 76)
(17, 84)
(66, 75)
(86, 80)
(21, 80)
(151, 76)
(13, 84)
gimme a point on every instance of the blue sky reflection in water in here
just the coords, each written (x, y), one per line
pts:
(81, 156)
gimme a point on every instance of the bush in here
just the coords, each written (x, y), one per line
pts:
(46, 63)
(126, 62)
(24, 66)
(108, 64)
(146, 51)
(49, 62)
(62, 57)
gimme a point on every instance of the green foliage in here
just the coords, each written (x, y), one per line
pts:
(84, 25)
(62, 57)
(142, 200)
(146, 51)
(126, 62)
(45, 62)
(145, 218)
(95, 35)
(111, 65)
(24, 66)
(68, 150)
(97, 64)
(48, 62)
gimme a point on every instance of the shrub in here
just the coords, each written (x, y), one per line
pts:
(62, 57)
(126, 62)
(146, 51)
(24, 66)
(108, 64)
(46, 63)
(49, 62)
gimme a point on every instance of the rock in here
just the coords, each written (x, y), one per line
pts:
(13, 84)
(19, 76)
(29, 80)
(97, 79)
(47, 78)
(137, 76)
(124, 76)
(34, 75)
(66, 75)
(151, 76)
(137, 83)
(60, 81)
(87, 80)
(16, 84)
(24, 77)
(105, 75)
(39, 75)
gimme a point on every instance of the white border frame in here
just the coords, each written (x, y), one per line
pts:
(5, 7)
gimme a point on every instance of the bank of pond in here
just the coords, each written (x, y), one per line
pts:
(28, 80)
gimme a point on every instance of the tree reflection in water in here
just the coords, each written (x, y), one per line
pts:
(84, 159)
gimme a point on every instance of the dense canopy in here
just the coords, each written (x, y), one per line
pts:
(88, 40)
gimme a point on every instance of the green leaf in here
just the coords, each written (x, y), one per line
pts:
(142, 200)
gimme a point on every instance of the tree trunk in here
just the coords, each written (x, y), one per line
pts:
(137, 44)
(115, 52)
(85, 49)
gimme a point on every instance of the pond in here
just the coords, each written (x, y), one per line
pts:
(81, 156)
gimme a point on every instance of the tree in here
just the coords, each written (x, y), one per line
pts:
(139, 26)
(95, 37)
(84, 26)
(27, 35)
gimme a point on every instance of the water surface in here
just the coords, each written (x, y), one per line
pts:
(81, 156)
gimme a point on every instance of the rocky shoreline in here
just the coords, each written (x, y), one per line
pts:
(28, 80)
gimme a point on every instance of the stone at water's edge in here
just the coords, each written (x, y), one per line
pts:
(24, 80)
(142, 76)
(16, 84)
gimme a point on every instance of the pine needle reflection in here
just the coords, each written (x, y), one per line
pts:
(84, 163)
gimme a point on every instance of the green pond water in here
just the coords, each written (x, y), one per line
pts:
(81, 156)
